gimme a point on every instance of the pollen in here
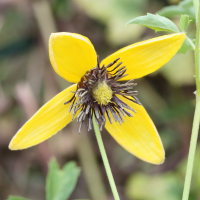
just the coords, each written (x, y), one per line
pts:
(102, 93)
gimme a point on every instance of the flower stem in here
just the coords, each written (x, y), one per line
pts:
(105, 160)
(196, 7)
(195, 128)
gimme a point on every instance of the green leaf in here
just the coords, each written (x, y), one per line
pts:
(171, 11)
(185, 7)
(184, 22)
(16, 198)
(61, 182)
(186, 3)
(155, 22)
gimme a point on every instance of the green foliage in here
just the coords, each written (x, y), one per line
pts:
(186, 3)
(16, 198)
(184, 7)
(185, 47)
(184, 22)
(163, 186)
(155, 22)
(61, 182)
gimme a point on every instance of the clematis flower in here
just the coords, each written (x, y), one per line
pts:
(97, 92)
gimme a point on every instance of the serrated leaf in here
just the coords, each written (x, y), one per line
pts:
(16, 198)
(155, 22)
(61, 182)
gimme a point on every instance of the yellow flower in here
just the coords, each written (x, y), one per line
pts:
(72, 55)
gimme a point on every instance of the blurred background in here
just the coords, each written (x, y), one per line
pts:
(27, 81)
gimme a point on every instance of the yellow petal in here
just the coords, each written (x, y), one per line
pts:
(138, 135)
(71, 55)
(50, 119)
(145, 57)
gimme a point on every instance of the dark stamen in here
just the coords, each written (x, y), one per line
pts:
(84, 104)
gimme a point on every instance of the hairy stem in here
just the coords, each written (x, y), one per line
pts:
(195, 128)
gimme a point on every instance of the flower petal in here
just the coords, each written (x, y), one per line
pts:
(47, 121)
(71, 55)
(145, 57)
(138, 135)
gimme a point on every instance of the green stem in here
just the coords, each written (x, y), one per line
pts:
(195, 128)
(190, 42)
(105, 160)
(192, 151)
(197, 56)
(196, 7)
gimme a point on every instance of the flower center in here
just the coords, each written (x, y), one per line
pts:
(102, 93)
(99, 94)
